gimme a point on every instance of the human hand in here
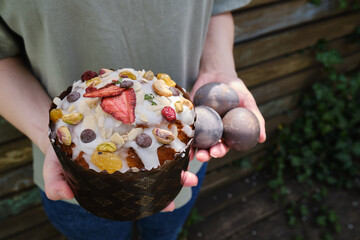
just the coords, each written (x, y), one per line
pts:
(246, 101)
(56, 187)
(188, 180)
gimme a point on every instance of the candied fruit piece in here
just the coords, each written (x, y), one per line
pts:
(168, 113)
(106, 161)
(167, 79)
(88, 75)
(55, 114)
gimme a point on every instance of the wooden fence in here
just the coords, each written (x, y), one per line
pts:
(272, 57)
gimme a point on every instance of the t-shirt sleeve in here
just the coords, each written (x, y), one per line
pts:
(221, 6)
(8, 45)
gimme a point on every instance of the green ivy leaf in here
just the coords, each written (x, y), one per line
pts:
(316, 2)
(298, 237)
(327, 236)
(295, 161)
(356, 149)
(332, 216)
(304, 210)
(292, 221)
(321, 220)
(343, 4)
(329, 58)
(337, 228)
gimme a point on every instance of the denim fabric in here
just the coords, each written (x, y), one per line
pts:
(76, 223)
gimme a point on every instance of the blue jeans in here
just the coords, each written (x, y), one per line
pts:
(76, 223)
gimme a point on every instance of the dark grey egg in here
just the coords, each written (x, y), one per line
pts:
(218, 96)
(241, 129)
(208, 127)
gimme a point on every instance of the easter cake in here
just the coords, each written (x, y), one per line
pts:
(123, 137)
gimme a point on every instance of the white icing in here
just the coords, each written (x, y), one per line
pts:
(105, 126)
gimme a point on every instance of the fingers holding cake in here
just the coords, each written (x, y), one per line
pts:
(56, 187)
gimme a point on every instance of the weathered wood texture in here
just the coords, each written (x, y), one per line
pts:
(275, 45)
(236, 207)
(14, 154)
(273, 58)
(260, 21)
(19, 202)
(16, 180)
(245, 210)
(7, 131)
(31, 224)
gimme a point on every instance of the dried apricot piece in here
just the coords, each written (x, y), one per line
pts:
(106, 161)
(55, 114)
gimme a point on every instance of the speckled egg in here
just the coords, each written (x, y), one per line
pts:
(208, 127)
(241, 129)
(218, 96)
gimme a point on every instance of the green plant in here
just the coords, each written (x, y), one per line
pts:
(343, 4)
(194, 218)
(321, 149)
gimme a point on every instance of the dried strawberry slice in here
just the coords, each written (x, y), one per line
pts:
(109, 90)
(90, 89)
(121, 107)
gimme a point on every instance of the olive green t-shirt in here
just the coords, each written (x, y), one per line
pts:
(62, 39)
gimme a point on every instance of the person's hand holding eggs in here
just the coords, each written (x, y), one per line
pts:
(239, 129)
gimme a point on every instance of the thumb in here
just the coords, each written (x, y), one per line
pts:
(55, 186)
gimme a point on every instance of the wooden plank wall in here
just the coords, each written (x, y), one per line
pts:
(269, 36)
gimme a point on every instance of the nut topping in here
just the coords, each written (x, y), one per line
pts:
(162, 89)
(167, 79)
(104, 72)
(106, 147)
(178, 106)
(64, 136)
(149, 75)
(127, 74)
(187, 103)
(163, 136)
(93, 82)
(72, 118)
